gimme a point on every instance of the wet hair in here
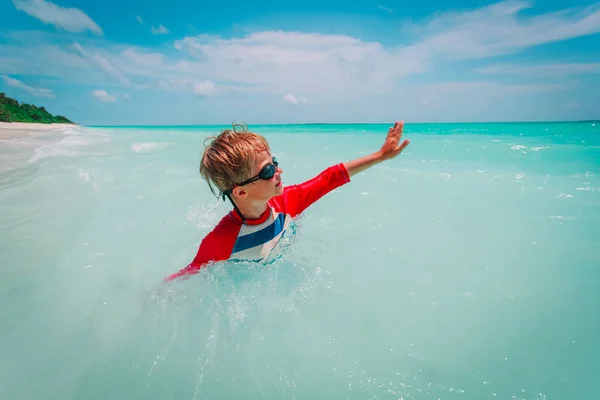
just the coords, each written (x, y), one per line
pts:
(228, 157)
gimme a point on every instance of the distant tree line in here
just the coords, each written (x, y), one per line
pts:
(12, 111)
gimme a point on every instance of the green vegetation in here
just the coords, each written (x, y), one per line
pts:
(12, 111)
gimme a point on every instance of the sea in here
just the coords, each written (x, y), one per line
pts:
(466, 268)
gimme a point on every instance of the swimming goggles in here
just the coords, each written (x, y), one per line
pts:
(267, 172)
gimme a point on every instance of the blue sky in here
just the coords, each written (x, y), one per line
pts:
(188, 62)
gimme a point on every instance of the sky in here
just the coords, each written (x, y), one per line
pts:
(185, 62)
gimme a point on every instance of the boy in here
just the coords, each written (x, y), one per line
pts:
(241, 167)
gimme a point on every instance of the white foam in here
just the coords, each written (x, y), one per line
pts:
(205, 216)
(145, 146)
(49, 150)
(65, 147)
(563, 218)
(84, 175)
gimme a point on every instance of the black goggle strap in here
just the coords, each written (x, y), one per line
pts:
(226, 193)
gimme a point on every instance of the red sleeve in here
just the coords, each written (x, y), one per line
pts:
(297, 198)
(216, 246)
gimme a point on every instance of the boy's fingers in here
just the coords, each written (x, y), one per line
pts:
(395, 132)
(398, 127)
(403, 145)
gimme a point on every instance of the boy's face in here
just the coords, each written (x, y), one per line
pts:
(262, 190)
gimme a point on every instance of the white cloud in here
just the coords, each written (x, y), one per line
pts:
(301, 62)
(15, 83)
(160, 30)
(449, 93)
(385, 8)
(69, 19)
(548, 70)
(140, 20)
(483, 101)
(498, 29)
(205, 89)
(102, 95)
(150, 59)
(192, 46)
(289, 98)
(98, 60)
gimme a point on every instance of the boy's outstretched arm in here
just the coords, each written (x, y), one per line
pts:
(390, 149)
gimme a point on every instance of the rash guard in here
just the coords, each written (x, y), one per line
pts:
(256, 239)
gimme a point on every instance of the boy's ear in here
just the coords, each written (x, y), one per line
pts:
(240, 192)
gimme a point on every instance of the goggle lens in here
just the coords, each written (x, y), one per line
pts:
(268, 171)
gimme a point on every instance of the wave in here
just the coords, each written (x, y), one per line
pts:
(73, 138)
(146, 146)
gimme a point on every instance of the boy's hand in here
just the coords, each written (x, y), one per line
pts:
(391, 147)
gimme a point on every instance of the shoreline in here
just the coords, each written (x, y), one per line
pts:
(19, 141)
(13, 130)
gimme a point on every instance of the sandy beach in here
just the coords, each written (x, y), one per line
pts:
(10, 130)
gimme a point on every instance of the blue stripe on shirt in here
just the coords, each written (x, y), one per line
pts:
(260, 237)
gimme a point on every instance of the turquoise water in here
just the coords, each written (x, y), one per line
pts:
(467, 268)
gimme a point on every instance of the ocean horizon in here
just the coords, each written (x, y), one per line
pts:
(466, 268)
(386, 123)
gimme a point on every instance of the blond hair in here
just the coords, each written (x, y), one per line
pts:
(228, 159)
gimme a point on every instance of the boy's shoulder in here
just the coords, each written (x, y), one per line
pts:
(219, 242)
(227, 227)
